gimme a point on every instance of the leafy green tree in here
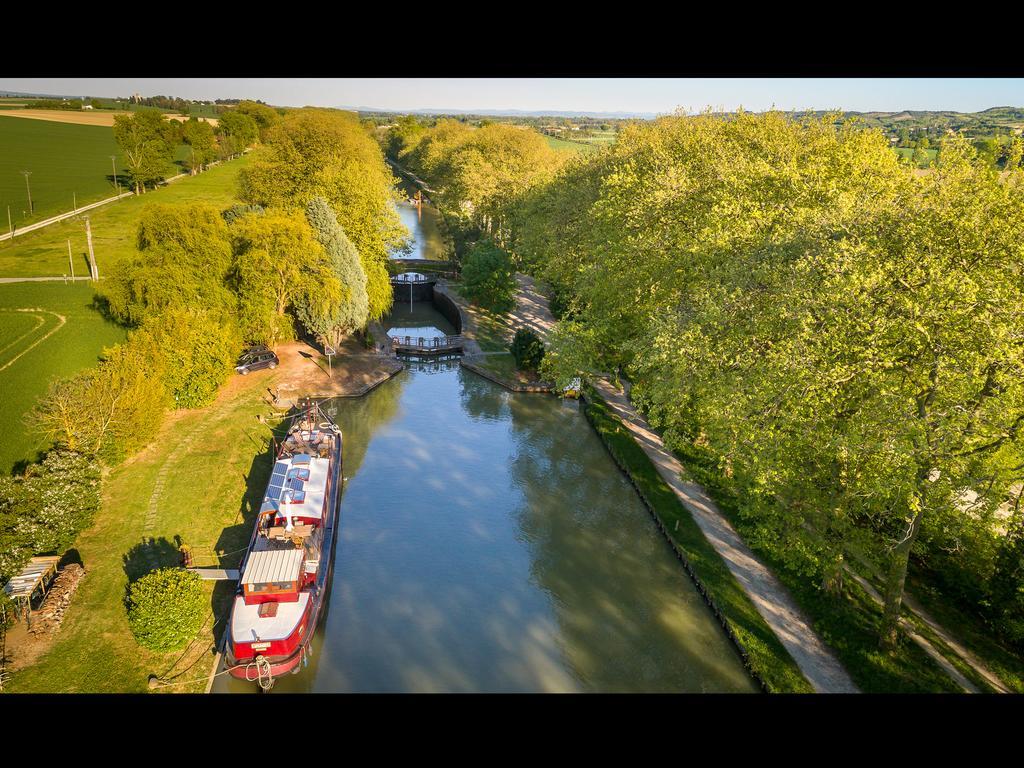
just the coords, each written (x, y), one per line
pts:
(145, 138)
(109, 411)
(329, 318)
(262, 115)
(1014, 154)
(403, 137)
(196, 349)
(184, 253)
(278, 261)
(166, 608)
(1007, 584)
(488, 278)
(327, 153)
(527, 349)
(488, 172)
(237, 130)
(202, 142)
(831, 335)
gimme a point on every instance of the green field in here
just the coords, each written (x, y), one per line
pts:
(44, 252)
(68, 162)
(906, 153)
(572, 146)
(47, 331)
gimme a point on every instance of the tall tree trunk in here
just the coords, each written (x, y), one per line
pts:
(896, 580)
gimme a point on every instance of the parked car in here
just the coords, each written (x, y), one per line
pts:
(255, 359)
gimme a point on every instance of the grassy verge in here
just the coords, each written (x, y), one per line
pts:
(765, 655)
(491, 330)
(44, 252)
(970, 630)
(848, 623)
(37, 347)
(204, 473)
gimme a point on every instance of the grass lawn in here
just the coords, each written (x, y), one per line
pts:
(766, 655)
(67, 161)
(37, 346)
(503, 366)
(210, 510)
(491, 330)
(44, 252)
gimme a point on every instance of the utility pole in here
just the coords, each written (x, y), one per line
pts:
(28, 186)
(93, 270)
(113, 167)
(71, 261)
(74, 201)
(10, 226)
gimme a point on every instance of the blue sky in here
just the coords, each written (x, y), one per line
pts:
(577, 94)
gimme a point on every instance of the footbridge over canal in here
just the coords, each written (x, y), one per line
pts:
(421, 345)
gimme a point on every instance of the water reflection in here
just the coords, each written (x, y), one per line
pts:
(424, 228)
(488, 543)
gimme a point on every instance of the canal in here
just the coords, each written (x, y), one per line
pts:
(488, 543)
(424, 225)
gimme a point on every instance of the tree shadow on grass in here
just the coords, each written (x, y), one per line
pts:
(149, 555)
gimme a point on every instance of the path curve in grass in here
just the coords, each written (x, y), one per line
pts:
(39, 321)
(60, 324)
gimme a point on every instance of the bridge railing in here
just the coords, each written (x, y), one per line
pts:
(422, 342)
(405, 277)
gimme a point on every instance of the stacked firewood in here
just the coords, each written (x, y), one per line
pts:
(49, 616)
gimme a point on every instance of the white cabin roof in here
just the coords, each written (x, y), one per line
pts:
(247, 626)
(269, 565)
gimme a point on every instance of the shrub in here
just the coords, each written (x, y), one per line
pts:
(195, 349)
(488, 278)
(237, 211)
(44, 510)
(109, 411)
(527, 349)
(166, 608)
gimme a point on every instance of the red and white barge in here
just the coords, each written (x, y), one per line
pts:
(286, 571)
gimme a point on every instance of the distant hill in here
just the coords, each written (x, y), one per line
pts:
(508, 113)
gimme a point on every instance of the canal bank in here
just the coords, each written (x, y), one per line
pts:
(488, 544)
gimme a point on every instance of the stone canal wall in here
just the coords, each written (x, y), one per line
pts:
(447, 307)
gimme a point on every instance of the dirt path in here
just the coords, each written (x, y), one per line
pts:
(532, 310)
(354, 371)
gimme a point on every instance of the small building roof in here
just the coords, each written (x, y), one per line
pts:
(269, 565)
(31, 576)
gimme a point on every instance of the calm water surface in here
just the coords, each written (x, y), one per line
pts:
(488, 543)
(423, 226)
